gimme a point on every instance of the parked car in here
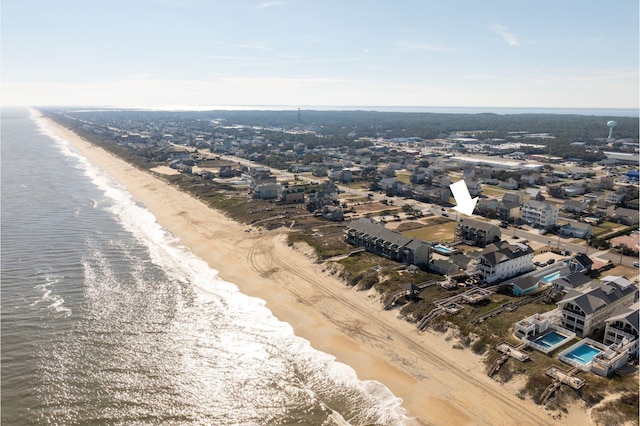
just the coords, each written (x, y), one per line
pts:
(636, 264)
(550, 261)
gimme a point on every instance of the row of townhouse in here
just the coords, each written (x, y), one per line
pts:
(376, 238)
(476, 232)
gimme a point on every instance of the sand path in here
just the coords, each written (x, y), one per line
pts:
(439, 385)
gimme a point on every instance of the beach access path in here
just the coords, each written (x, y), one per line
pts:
(439, 385)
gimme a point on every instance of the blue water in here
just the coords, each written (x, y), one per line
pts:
(551, 277)
(583, 354)
(107, 319)
(550, 339)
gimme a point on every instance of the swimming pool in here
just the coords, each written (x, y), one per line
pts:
(550, 339)
(583, 354)
(551, 277)
(442, 249)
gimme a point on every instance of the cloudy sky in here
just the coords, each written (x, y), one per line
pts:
(509, 53)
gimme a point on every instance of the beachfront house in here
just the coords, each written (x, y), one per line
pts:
(570, 281)
(586, 308)
(502, 260)
(475, 232)
(376, 238)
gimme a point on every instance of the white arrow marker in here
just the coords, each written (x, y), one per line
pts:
(464, 203)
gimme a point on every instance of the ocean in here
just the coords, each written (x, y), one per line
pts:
(107, 319)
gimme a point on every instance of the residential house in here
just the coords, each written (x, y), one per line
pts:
(573, 190)
(622, 327)
(267, 191)
(502, 260)
(510, 183)
(473, 186)
(334, 213)
(603, 209)
(525, 285)
(579, 263)
(487, 207)
(376, 238)
(576, 229)
(293, 195)
(570, 281)
(586, 308)
(617, 196)
(327, 196)
(575, 206)
(443, 267)
(476, 232)
(595, 196)
(539, 214)
(534, 194)
(343, 175)
(626, 216)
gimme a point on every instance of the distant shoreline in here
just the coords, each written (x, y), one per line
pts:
(587, 111)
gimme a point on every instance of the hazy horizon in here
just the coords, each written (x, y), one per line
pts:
(492, 54)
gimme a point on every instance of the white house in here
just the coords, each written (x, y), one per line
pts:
(539, 214)
(502, 260)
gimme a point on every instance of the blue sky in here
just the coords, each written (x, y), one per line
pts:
(511, 53)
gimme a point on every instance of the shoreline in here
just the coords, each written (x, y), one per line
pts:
(438, 384)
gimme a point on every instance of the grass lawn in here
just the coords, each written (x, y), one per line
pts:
(493, 190)
(443, 232)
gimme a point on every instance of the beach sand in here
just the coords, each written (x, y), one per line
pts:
(439, 385)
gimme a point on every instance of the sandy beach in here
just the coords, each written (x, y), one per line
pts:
(439, 385)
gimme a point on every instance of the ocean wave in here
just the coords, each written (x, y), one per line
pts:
(221, 338)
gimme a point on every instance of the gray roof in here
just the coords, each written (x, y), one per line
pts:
(503, 251)
(526, 282)
(376, 229)
(473, 223)
(572, 280)
(592, 298)
(629, 314)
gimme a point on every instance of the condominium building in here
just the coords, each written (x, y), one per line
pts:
(539, 214)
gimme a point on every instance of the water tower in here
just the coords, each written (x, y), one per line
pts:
(611, 124)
